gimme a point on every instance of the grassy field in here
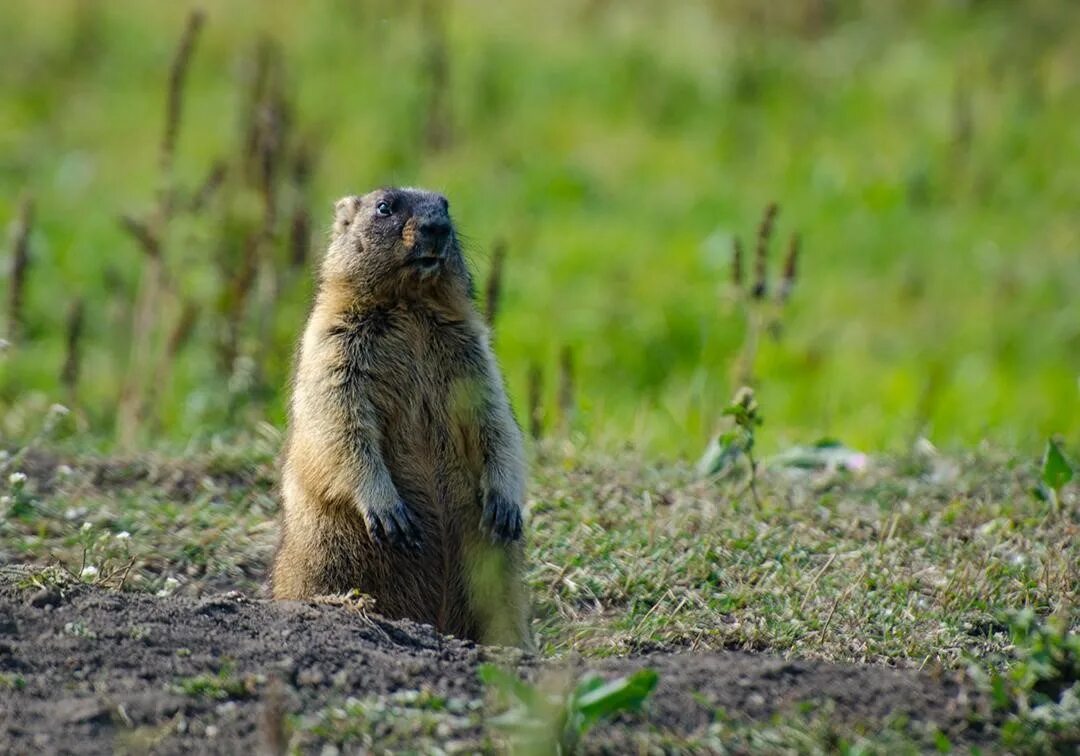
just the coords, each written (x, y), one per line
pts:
(921, 151)
(912, 563)
(917, 563)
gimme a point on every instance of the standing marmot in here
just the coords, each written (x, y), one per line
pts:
(404, 473)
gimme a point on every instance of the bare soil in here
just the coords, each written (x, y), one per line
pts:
(94, 671)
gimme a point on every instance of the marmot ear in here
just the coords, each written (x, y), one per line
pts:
(345, 210)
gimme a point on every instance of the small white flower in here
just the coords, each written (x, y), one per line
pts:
(89, 571)
(74, 513)
(64, 471)
(17, 478)
(171, 584)
(86, 526)
(59, 410)
(123, 535)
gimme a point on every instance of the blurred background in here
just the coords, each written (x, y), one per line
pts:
(167, 181)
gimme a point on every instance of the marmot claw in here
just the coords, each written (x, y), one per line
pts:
(501, 518)
(395, 525)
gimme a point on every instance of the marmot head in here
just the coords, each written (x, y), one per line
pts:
(395, 242)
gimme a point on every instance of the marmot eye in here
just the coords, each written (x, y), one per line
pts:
(383, 208)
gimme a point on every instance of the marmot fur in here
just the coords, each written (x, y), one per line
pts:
(404, 471)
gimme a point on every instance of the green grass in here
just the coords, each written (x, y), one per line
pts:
(921, 561)
(810, 730)
(410, 720)
(14, 682)
(922, 151)
(220, 687)
(887, 567)
(914, 562)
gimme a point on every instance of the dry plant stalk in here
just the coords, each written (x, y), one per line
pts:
(266, 128)
(494, 283)
(300, 225)
(178, 339)
(761, 313)
(269, 167)
(791, 269)
(21, 227)
(267, 143)
(144, 322)
(258, 115)
(154, 282)
(299, 238)
(181, 332)
(536, 407)
(437, 130)
(174, 103)
(106, 578)
(761, 254)
(235, 301)
(209, 187)
(141, 233)
(737, 264)
(69, 374)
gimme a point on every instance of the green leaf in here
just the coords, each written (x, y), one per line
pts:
(999, 693)
(721, 454)
(739, 413)
(518, 719)
(1056, 470)
(588, 684)
(624, 693)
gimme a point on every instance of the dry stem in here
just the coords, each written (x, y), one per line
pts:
(20, 261)
(494, 283)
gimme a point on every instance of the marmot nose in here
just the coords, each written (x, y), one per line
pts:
(435, 229)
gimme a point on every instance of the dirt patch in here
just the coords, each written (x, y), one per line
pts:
(91, 671)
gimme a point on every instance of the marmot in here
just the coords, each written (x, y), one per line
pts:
(404, 470)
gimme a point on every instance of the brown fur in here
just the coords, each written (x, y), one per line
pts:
(397, 402)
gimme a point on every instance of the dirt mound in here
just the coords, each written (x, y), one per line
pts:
(91, 671)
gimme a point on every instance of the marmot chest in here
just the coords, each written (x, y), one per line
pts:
(424, 376)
